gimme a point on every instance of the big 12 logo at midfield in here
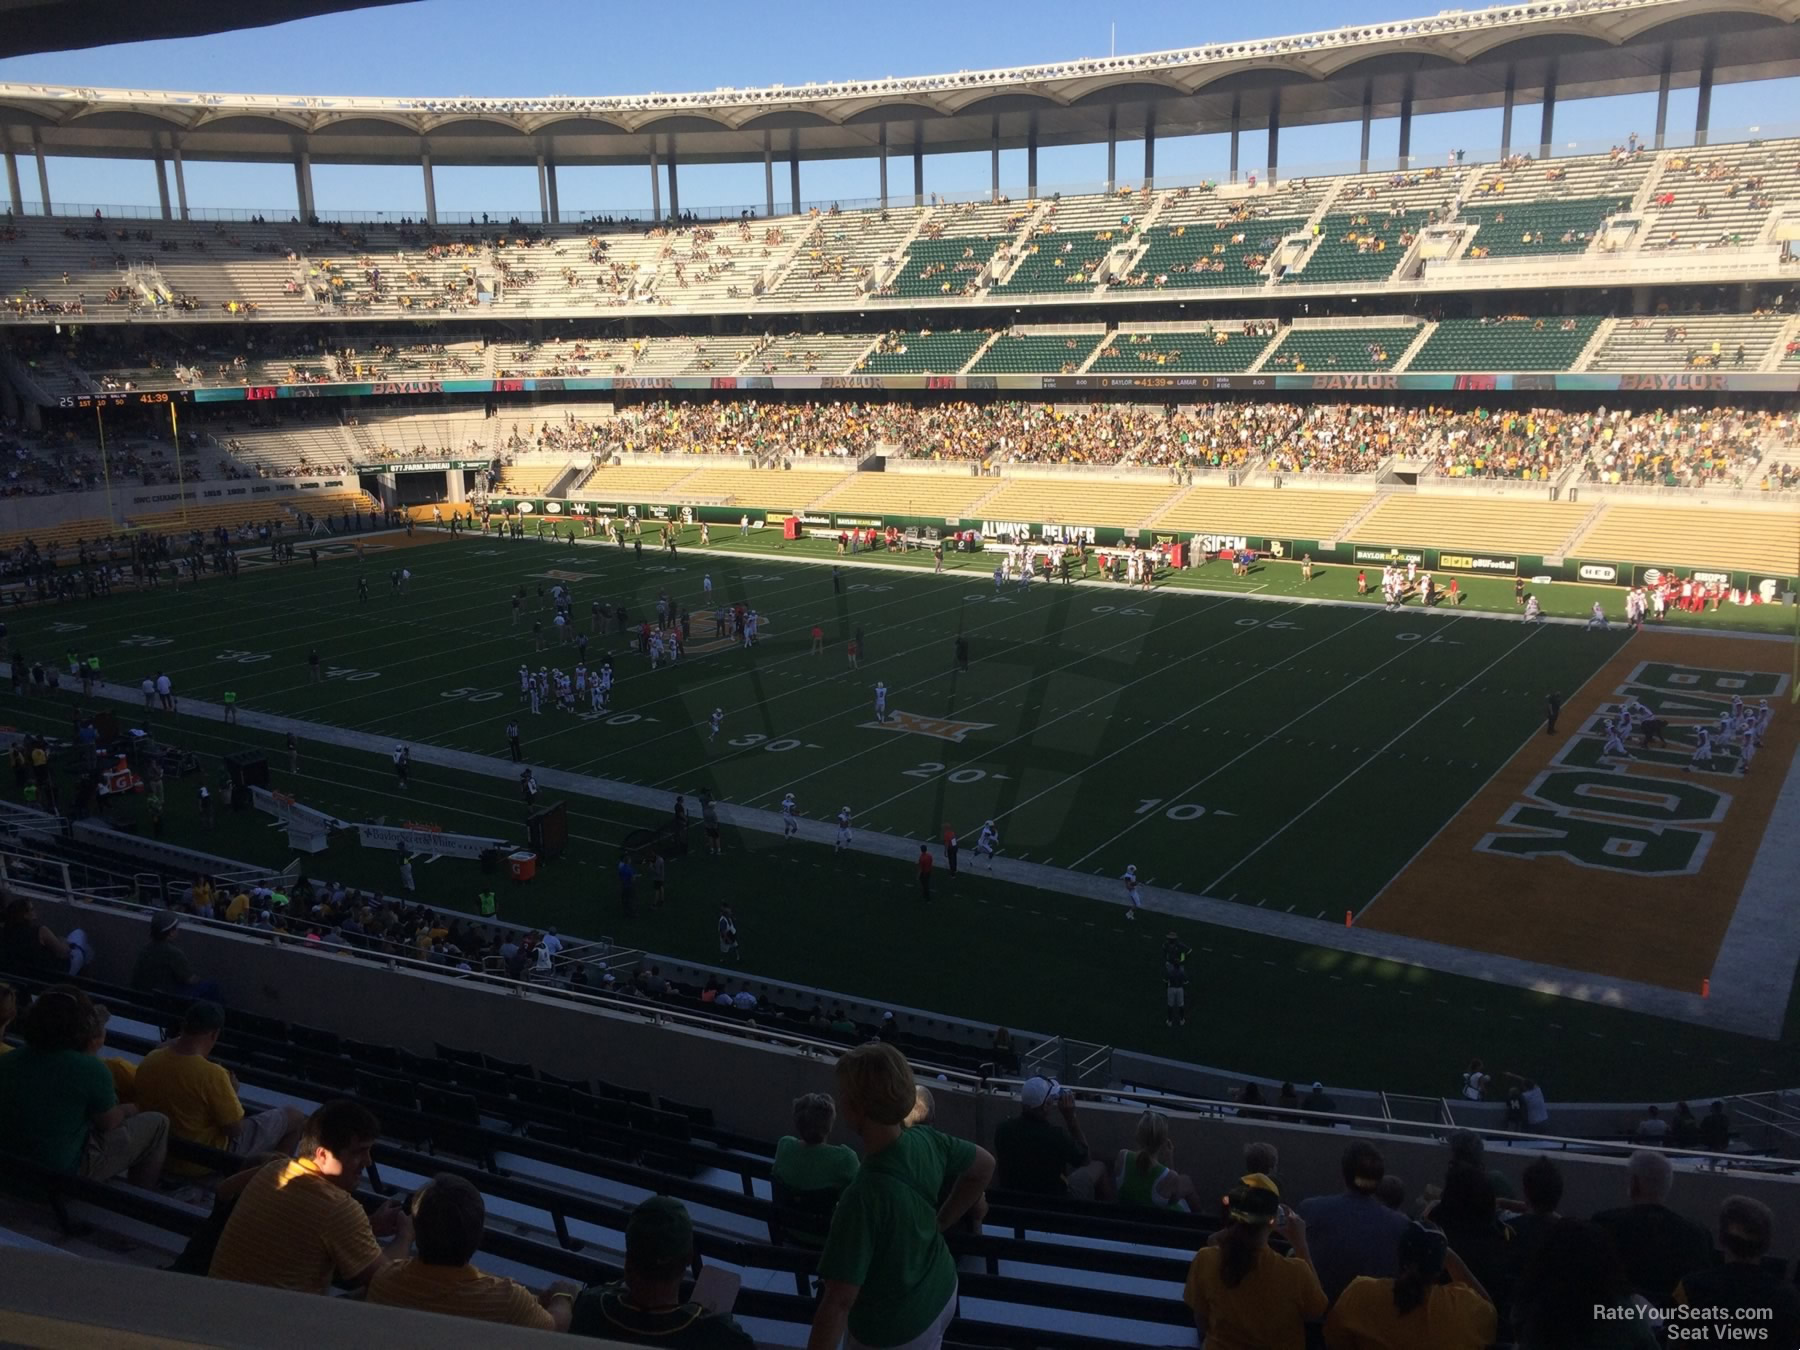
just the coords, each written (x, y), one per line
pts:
(940, 728)
(1589, 810)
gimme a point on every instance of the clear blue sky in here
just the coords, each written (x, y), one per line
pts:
(450, 47)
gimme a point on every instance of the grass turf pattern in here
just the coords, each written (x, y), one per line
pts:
(1275, 754)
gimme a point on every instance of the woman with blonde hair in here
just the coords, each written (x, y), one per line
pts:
(888, 1277)
(1245, 1296)
(1142, 1173)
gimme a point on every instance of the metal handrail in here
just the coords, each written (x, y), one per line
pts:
(523, 988)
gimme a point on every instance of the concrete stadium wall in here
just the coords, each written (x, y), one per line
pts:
(751, 1086)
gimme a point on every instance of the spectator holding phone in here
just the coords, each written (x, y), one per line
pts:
(1243, 1294)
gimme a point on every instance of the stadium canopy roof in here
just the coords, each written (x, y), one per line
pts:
(1454, 61)
(29, 26)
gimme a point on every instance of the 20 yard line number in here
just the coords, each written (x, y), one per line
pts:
(931, 769)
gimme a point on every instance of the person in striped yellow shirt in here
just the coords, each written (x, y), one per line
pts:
(448, 1220)
(296, 1223)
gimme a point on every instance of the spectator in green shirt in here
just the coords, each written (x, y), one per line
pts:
(888, 1277)
(811, 1172)
(58, 1106)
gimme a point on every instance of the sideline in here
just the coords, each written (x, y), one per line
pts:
(1749, 1017)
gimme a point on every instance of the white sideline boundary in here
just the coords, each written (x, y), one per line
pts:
(1746, 1015)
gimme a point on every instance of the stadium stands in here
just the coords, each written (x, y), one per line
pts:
(1535, 526)
(1285, 513)
(1762, 541)
(1689, 341)
(1320, 349)
(1067, 246)
(1081, 501)
(1720, 196)
(1373, 221)
(922, 352)
(1511, 342)
(909, 494)
(1063, 350)
(1172, 349)
(841, 256)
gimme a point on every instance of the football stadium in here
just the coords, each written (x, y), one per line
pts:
(1229, 720)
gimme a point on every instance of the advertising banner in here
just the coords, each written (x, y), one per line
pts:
(1596, 573)
(411, 839)
(1487, 563)
(1386, 555)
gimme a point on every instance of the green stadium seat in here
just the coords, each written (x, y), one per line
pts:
(1549, 343)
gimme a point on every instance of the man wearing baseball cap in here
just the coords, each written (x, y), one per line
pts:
(162, 967)
(1036, 1156)
(646, 1307)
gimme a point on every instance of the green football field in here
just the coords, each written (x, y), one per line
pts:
(1293, 756)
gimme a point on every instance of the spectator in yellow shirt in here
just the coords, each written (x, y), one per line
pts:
(1434, 1303)
(296, 1223)
(449, 1218)
(200, 1098)
(1245, 1296)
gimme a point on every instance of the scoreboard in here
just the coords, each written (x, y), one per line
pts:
(152, 398)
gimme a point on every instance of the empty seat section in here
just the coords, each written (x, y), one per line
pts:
(1324, 349)
(1067, 245)
(1223, 253)
(1721, 197)
(840, 257)
(1076, 501)
(1036, 354)
(950, 266)
(1550, 343)
(1518, 229)
(910, 494)
(922, 352)
(807, 353)
(1357, 246)
(1476, 522)
(1758, 541)
(1689, 342)
(1207, 349)
(635, 482)
(1283, 513)
(760, 487)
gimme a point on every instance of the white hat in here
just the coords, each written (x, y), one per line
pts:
(846, 810)
(1036, 1091)
(1131, 870)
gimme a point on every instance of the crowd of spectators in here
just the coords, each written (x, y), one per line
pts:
(1458, 1265)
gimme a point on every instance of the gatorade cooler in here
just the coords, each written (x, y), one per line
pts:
(522, 865)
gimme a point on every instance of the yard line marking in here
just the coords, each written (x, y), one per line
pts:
(1393, 740)
(1473, 764)
(1467, 723)
(1400, 655)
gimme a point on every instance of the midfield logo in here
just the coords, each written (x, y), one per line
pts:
(941, 728)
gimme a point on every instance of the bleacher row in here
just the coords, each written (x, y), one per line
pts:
(564, 1159)
(1668, 342)
(1354, 230)
(65, 535)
